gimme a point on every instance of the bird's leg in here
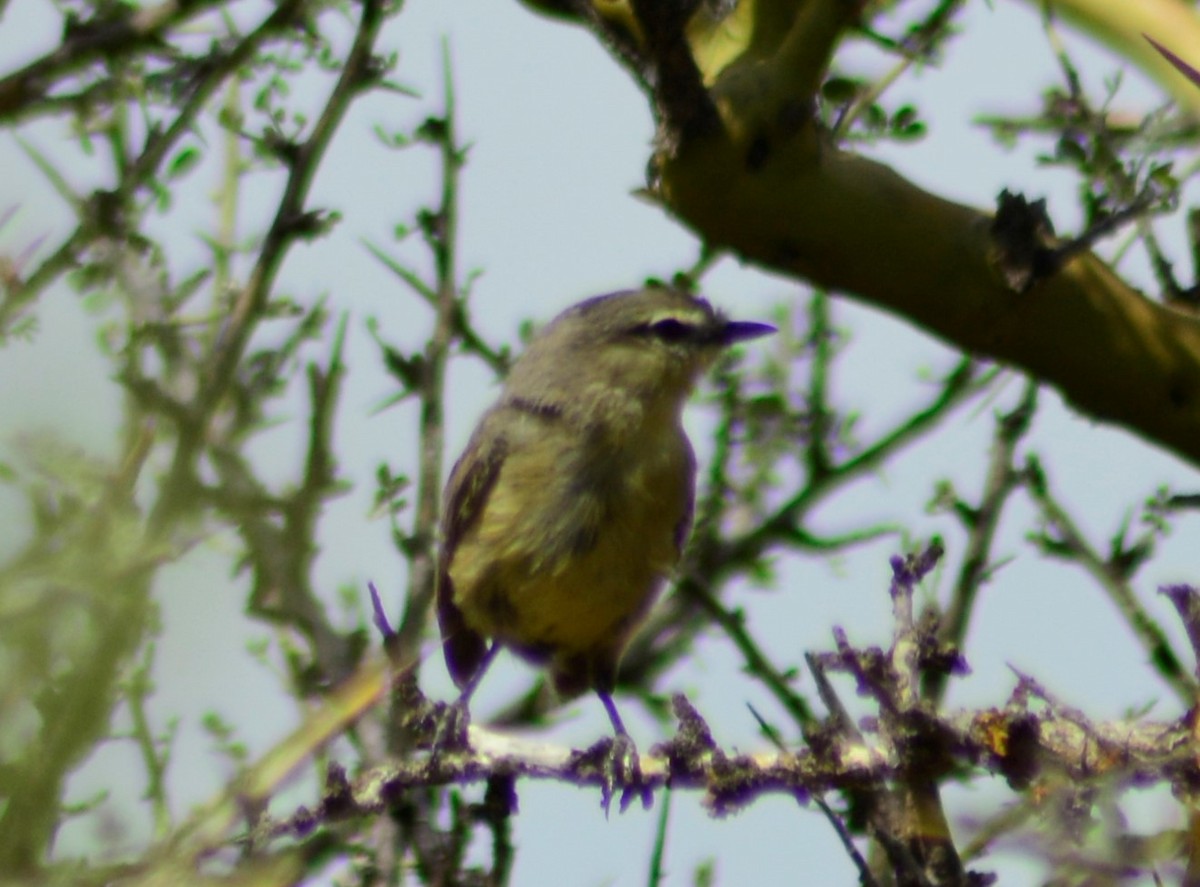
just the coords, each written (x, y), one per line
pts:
(614, 716)
(620, 765)
(451, 731)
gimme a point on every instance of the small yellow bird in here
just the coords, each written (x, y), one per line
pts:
(573, 499)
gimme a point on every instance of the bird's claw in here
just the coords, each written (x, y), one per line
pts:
(450, 732)
(616, 760)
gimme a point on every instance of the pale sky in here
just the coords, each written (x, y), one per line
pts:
(560, 141)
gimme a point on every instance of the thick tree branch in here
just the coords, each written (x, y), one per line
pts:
(775, 192)
(854, 225)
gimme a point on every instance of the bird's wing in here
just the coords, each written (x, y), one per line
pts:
(471, 480)
(683, 529)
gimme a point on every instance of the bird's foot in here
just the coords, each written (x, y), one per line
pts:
(451, 727)
(615, 760)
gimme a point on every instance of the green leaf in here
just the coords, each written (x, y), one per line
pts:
(183, 163)
(840, 90)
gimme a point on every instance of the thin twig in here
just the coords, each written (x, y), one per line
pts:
(1072, 544)
(442, 237)
(291, 223)
(1001, 479)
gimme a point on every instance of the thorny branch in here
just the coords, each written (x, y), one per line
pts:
(98, 220)
(890, 764)
(1063, 539)
(982, 521)
(292, 223)
(103, 550)
(888, 768)
(113, 33)
(440, 228)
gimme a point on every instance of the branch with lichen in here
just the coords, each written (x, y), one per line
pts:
(890, 764)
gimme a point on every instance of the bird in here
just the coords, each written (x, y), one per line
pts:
(571, 504)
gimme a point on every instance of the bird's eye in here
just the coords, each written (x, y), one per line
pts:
(671, 330)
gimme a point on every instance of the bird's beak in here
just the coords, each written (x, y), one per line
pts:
(742, 330)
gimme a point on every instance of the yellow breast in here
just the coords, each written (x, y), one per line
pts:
(575, 539)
